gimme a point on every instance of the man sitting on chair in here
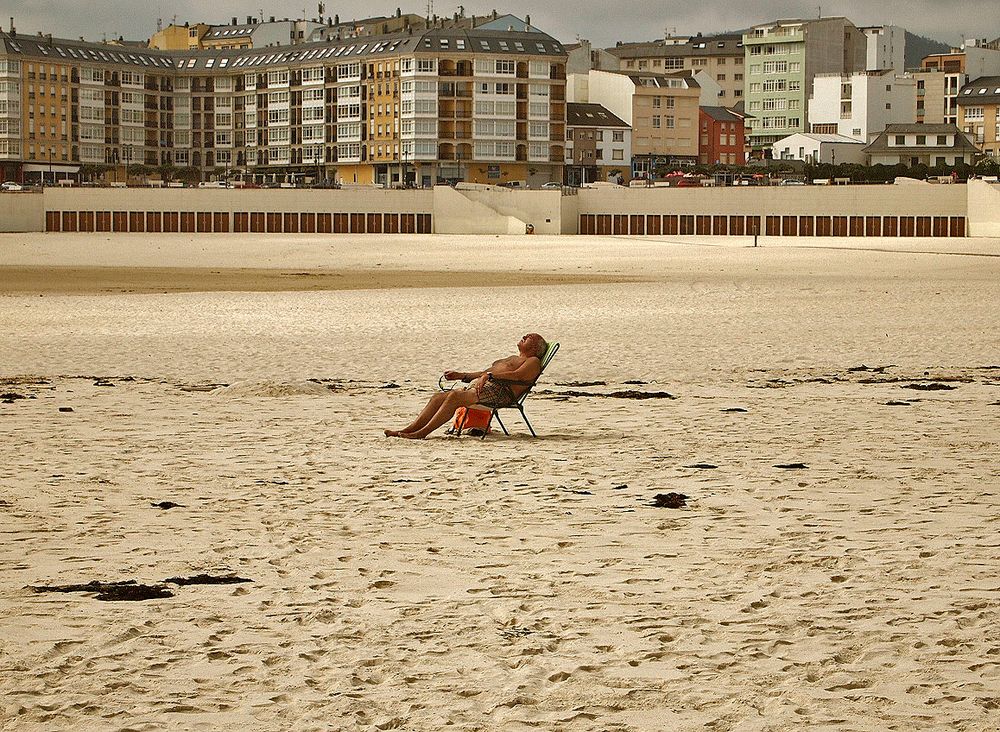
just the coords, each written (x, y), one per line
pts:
(498, 386)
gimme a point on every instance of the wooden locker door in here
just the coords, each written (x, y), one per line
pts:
(307, 223)
(324, 223)
(53, 221)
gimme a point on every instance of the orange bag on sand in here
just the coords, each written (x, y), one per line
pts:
(472, 421)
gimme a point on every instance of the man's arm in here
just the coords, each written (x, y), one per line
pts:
(527, 372)
(465, 376)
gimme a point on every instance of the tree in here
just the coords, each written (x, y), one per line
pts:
(188, 175)
(167, 172)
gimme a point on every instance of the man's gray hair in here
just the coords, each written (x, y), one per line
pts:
(543, 346)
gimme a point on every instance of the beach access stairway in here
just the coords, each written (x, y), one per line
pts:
(465, 211)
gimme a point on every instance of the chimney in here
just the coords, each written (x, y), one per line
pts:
(249, 20)
(234, 20)
(527, 20)
(272, 19)
(13, 32)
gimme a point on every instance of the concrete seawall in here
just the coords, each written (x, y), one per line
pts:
(896, 210)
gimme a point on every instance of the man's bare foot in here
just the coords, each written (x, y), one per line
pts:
(393, 433)
(411, 435)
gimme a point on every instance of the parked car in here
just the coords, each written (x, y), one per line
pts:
(792, 182)
(551, 185)
(11, 186)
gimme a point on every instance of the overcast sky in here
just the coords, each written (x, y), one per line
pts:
(945, 20)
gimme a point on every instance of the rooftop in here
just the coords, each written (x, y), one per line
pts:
(729, 44)
(984, 90)
(722, 114)
(534, 43)
(579, 114)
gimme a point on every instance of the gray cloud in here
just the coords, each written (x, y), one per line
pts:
(597, 20)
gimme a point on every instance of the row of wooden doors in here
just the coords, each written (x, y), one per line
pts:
(690, 224)
(240, 222)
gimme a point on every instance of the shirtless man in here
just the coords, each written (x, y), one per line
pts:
(503, 382)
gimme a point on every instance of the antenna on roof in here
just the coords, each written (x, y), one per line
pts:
(159, 24)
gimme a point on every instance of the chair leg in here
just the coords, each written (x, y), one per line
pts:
(487, 430)
(500, 421)
(461, 424)
(525, 418)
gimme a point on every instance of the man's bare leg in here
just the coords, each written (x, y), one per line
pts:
(433, 404)
(453, 400)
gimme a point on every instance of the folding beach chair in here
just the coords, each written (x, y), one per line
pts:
(550, 353)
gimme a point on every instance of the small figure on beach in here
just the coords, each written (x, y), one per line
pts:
(499, 385)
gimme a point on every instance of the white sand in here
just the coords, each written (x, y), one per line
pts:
(508, 583)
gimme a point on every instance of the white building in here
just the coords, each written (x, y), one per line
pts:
(813, 148)
(860, 105)
(886, 48)
(922, 144)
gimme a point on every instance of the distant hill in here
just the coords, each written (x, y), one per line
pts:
(918, 46)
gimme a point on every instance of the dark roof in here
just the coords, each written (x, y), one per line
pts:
(230, 31)
(903, 128)
(579, 114)
(728, 44)
(721, 114)
(534, 43)
(656, 78)
(984, 90)
(880, 144)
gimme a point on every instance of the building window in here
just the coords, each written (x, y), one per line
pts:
(618, 136)
(617, 154)
(656, 122)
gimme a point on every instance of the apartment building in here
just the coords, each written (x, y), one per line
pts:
(885, 48)
(942, 75)
(921, 144)
(478, 105)
(721, 57)
(598, 145)
(661, 109)
(979, 113)
(722, 137)
(235, 35)
(782, 59)
(860, 105)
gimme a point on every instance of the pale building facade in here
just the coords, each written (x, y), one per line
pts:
(860, 105)
(819, 148)
(885, 48)
(921, 144)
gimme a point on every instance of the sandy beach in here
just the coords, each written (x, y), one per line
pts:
(832, 418)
